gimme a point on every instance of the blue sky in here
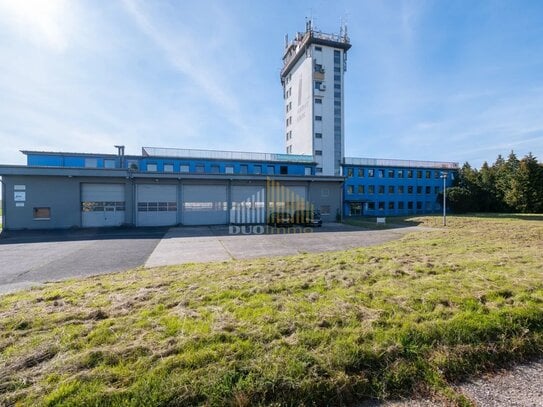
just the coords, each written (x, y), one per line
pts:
(430, 80)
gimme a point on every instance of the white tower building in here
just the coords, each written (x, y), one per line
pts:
(312, 79)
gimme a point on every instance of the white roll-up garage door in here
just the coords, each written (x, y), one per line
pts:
(287, 198)
(248, 204)
(157, 205)
(204, 204)
(102, 205)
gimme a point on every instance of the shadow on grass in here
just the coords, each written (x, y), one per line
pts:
(391, 222)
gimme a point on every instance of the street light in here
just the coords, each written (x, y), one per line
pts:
(444, 177)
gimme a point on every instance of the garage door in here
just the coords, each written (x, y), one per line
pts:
(248, 205)
(157, 205)
(204, 204)
(102, 205)
(287, 198)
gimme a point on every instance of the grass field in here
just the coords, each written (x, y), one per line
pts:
(398, 320)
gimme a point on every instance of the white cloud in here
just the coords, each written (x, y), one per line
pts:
(43, 22)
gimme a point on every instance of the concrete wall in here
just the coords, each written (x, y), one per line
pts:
(326, 194)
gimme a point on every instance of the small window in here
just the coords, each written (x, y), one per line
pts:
(381, 189)
(419, 190)
(318, 118)
(409, 173)
(361, 189)
(400, 189)
(350, 189)
(436, 174)
(428, 190)
(109, 163)
(318, 170)
(428, 174)
(283, 170)
(381, 173)
(419, 174)
(42, 213)
(200, 168)
(307, 171)
(132, 165)
(318, 49)
(271, 169)
(151, 167)
(243, 169)
(168, 167)
(91, 163)
(419, 205)
(371, 189)
(361, 172)
(257, 169)
(391, 173)
(400, 205)
(400, 173)
(318, 101)
(318, 85)
(371, 206)
(184, 168)
(318, 152)
(371, 173)
(428, 206)
(410, 205)
(391, 205)
(391, 189)
(409, 189)
(350, 172)
(381, 206)
(229, 169)
(436, 190)
(318, 135)
(325, 210)
(215, 169)
(337, 77)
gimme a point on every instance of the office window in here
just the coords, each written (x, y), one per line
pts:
(337, 86)
(318, 85)
(168, 167)
(361, 189)
(436, 190)
(381, 173)
(91, 162)
(436, 174)
(371, 172)
(409, 189)
(350, 172)
(371, 206)
(428, 206)
(409, 173)
(42, 213)
(371, 189)
(151, 167)
(318, 48)
(419, 190)
(337, 69)
(419, 174)
(243, 169)
(318, 118)
(307, 170)
(390, 189)
(350, 189)
(361, 172)
(184, 168)
(400, 189)
(400, 205)
(215, 169)
(391, 173)
(391, 205)
(381, 206)
(337, 77)
(318, 135)
(271, 169)
(318, 152)
(200, 168)
(428, 174)
(318, 101)
(419, 205)
(381, 189)
(410, 205)
(318, 170)
(337, 94)
(257, 169)
(428, 190)
(283, 169)
(400, 173)
(228, 169)
(109, 163)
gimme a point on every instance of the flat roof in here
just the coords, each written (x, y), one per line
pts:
(386, 162)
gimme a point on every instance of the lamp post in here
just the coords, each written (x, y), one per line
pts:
(444, 177)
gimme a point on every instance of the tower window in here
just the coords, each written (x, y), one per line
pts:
(318, 118)
(318, 152)
(318, 48)
(318, 101)
(318, 135)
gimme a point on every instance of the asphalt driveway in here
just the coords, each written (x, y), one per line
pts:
(30, 258)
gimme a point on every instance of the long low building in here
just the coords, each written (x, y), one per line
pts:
(162, 187)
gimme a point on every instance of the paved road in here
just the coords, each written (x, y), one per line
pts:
(217, 243)
(29, 258)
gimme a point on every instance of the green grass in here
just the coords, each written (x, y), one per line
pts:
(406, 318)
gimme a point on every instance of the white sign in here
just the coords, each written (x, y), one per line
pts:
(19, 204)
(19, 196)
(19, 187)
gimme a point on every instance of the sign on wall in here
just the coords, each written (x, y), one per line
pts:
(19, 195)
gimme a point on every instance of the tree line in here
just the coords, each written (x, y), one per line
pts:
(508, 185)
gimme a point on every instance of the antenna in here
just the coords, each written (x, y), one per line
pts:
(286, 40)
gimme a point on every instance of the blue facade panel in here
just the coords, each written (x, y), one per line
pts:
(388, 191)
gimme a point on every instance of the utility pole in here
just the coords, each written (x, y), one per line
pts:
(444, 177)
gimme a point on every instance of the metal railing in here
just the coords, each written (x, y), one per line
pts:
(223, 155)
(383, 162)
